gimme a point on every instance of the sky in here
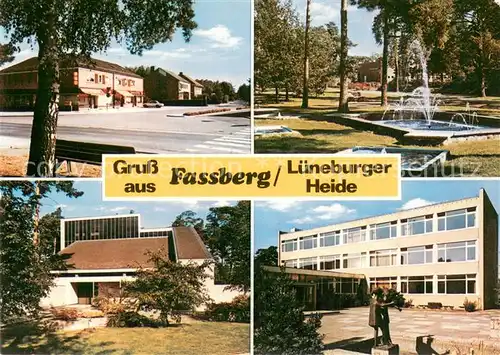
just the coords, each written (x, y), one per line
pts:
(359, 23)
(273, 216)
(153, 214)
(219, 49)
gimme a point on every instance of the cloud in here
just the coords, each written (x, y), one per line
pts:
(278, 205)
(221, 37)
(61, 205)
(325, 213)
(322, 12)
(113, 209)
(415, 203)
(176, 53)
(222, 203)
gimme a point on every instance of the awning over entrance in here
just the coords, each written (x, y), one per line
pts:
(124, 93)
(92, 92)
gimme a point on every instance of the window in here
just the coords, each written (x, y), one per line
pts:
(459, 251)
(329, 239)
(291, 263)
(416, 284)
(330, 262)
(416, 255)
(355, 260)
(383, 230)
(288, 245)
(417, 225)
(383, 282)
(348, 285)
(386, 257)
(309, 242)
(465, 218)
(354, 235)
(457, 284)
(308, 264)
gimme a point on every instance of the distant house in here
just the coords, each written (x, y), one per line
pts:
(84, 84)
(163, 85)
(372, 72)
(196, 87)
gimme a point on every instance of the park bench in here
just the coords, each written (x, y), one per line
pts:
(87, 153)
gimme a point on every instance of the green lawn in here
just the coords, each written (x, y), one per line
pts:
(478, 158)
(328, 102)
(194, 338)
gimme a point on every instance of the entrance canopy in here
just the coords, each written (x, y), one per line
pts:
(91, 92)
(124, 93)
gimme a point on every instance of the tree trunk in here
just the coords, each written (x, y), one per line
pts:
(43, 132)
(396, 63)
(305, 89)
(385, 61)
(276, 94)
(343, 99)
(36, 227)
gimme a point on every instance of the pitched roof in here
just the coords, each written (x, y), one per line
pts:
(113, 253)
(168, 72)
(31, 64)
(188, 244)
(188, 78)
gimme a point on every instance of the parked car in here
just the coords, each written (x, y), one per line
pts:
(153, 104)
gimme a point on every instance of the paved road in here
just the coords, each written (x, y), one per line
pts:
(151, 131)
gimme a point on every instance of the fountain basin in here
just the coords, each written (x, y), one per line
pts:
(274, 130)
(417, 131)
(414, 161)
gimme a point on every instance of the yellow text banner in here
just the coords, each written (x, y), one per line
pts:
(252, 176)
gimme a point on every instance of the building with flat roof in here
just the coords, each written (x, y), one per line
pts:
(102, 252)
(444, 252)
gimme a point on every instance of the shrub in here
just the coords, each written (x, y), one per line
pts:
(131, 320)
(109, 305)
(66, 314)
(238, 310)
(470, 306)
(279, 321)
(434, 305)
(408, 303)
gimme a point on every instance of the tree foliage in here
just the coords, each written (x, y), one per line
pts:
(168, 287)
(80, 28)
(226, 234)
(280, 326)
(267, 257)
(25, 264)
(6, 53)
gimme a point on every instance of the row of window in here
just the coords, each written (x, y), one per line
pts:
(101, 228)
(445, 252)
(154, 234)
(102, 79)
(20, 78)
(446, 284)
(451, 220)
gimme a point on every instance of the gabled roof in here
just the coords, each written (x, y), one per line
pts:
(31, 64)
(167, 72)
(113, 253)
(188, 244)
(191, 80)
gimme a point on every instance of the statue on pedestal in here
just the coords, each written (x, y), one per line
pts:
(379, 313)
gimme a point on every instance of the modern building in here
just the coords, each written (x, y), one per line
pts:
(84, 84)
(196, 87)
(163, 85)
(443, 253)
(103, 252)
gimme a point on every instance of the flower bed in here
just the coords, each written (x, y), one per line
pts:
(204, 112)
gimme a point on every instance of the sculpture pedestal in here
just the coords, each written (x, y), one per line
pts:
(386, 350)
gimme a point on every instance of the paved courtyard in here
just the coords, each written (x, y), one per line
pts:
(416, 331)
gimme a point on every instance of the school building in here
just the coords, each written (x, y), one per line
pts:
(445, 252)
